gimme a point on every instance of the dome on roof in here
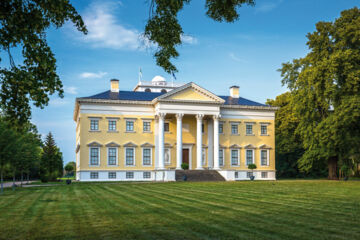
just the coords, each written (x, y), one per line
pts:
(158, 79)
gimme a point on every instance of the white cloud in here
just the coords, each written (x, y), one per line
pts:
(267, 6)
(92, 74)
(188, 39)
(70, 90)
(235, 58)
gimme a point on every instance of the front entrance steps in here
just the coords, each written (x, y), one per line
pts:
(198, 175)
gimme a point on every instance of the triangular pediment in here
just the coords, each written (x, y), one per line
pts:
(189, 93)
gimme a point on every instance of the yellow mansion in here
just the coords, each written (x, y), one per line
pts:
(149, 133)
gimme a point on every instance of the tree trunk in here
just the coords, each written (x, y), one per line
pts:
(13, 186)
(332, 165)
(2, 181)
(27, 177)
(22, 177)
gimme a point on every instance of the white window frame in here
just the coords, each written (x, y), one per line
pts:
(98, 127)
(112, 177)
(267, 157)
(265, 173)
(116, 162)
(99, 157)
(253, 156)
(134, 157)
(222, 128)
(231, 128)
(146, 121)
(126, 175)
(142, 156)
(238, 162)
(96, 177)
(261, 126)
(148, 173)
(252, 129)
(223, 157)
(169, 163)
(203, 157)
(112, 120)
(133, 122)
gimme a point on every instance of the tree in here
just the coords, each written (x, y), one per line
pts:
(325, 89)
(51, 165)
(69, 168)
(163, 28)
(22, 26)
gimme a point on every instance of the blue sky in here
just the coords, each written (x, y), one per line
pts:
(215, 55)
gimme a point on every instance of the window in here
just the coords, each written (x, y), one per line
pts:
(146, 156)
(202, 128)
(129, 126)
(146, 126)
(166, 127)
(234, 129)
(147, 175)
(129, 156)
(167, 156)
(263, 129)
(236, 174)
(249, 174)
(249, 129)
(221, 128)
(112, 155)
(249, 157)
(94, 124)
(234, 157)
(147, 90)
(94, 175)
(264, 157)
(163, 91)
(112, 125)
(112, 175)
(94, 156)
(221, 157)
(264, 175)
(129, 175)
(203, 157)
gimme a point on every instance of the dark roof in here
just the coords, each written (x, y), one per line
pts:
(149, 96)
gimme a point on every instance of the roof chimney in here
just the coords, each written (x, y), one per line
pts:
(234, 91)
(114, 85)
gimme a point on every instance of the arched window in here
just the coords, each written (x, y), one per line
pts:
(163, 90)
(148, 90)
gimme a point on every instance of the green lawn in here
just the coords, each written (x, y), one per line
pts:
(223, 210)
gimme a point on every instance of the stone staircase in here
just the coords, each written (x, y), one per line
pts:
(198, 175)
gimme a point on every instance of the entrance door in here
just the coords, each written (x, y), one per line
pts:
(185, 155)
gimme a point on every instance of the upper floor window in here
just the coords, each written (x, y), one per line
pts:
(234, 156)
(263, 129)
(130, 156)
(249, 129)
(94, 124)
(264, 157)
(166, 127)
(129, 126)
(112, 125)
(94, 156)
(234, 129)
(249, 156)
(146, 156)
(221, 157)
(221, 128)
(112, 155)
(146, 126)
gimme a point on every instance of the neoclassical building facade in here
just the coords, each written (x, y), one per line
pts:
(149, 133)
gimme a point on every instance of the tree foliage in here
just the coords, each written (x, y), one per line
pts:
(51, 160)
(164, 30)
(325, 90)
(22, 26)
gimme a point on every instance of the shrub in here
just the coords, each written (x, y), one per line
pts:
(185, 166)
(252, 166)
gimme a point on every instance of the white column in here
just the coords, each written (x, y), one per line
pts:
(179, 117)
(199, 118)
(216, 141)
(161, 140)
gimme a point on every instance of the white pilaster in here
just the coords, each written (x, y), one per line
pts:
(161, 140)
(179, 117)
(199, 118)
(216, 141)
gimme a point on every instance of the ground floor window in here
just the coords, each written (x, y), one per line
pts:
(249, 156)
(264, 157)
(147, 175)
(146, 156)
(249, 174)
(234, 157)
(264, 175)
(94, 156)
(129, 175)
(112, 175)
(112, 154)
(236, 174)
(94, 175)
(129, 155)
